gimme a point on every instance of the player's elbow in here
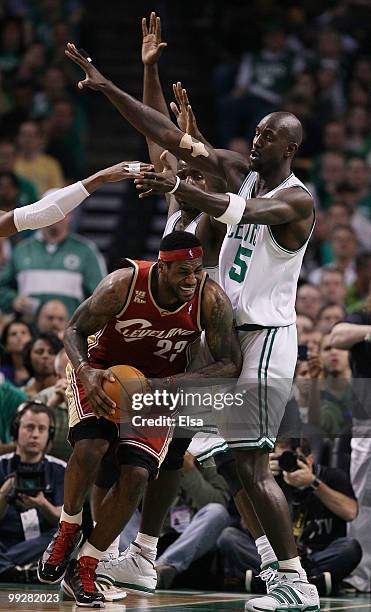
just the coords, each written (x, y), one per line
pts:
(229, 368)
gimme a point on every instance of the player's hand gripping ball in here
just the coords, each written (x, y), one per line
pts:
(128, 380)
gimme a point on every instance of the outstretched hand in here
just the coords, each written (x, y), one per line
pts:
(125, 170)
(93, 78)
(157, 182)
(183, 111)
(152, 46)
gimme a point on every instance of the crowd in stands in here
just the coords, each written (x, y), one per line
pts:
(321, 71)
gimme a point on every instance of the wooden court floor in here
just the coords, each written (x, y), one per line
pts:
(43, 597)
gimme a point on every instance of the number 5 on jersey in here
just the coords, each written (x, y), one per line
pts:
(239, 267)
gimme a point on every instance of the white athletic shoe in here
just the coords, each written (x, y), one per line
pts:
(110, 592)
(285, 591)
(131, 571)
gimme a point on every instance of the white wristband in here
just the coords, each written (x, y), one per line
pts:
(51, 208)
(177, 183)
(233, 213)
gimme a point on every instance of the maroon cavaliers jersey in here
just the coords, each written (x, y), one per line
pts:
(143, 335)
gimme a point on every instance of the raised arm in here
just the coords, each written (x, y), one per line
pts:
(91, 316)
(288, 205)
(55, 206)
(150, 122)
(153, 95)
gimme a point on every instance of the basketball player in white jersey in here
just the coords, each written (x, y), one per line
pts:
(268, 228)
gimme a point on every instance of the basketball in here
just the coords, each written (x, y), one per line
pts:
(128, 380)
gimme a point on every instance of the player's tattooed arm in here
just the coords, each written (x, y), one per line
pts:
(91, 316)
(150, 122)
(221, 337)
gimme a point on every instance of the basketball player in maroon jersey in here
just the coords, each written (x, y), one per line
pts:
(146, 315)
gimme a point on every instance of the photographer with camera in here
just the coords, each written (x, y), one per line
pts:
(322, 502)
(31, 493)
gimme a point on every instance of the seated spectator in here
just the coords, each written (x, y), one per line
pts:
(27, 192)
(52, 317)
(329, 177)
(11, 45)
(39, 358)
(357, 293)
(28, 521)
(43, 170)
(344, 247)
(357, 218)
(59, 265)
(10, 398)
(23, 92)
(318, 496)
(14, 338)
(55, 398)
(358, 175)
(263, 79)
(33, 62)
(332, 286)
(197, 517)
(308, 301)
(65, 141)
(304, 324)
(328, 316)
(358, 129)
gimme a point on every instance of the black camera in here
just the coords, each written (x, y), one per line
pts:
(30, 482)
(288, 461)
(29, 478)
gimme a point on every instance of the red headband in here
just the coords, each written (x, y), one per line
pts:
(179, 254)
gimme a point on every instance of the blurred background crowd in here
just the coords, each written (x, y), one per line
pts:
(239, 61)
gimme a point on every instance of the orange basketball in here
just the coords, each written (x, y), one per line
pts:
(128, 380)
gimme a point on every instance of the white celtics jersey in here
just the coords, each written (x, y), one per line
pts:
(258, 275)
(213, 272)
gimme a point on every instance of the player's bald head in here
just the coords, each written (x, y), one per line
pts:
(287, 125)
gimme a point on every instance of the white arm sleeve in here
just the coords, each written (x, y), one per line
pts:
(50, 209)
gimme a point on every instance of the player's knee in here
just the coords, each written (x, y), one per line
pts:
(227, 468)
(89, 453)
(134, 478)
(252, 469)
(132, 457)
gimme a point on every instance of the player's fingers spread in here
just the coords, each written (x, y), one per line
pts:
(144, 27)
(107, 374)
(158, 29)
(174, 109)
(146, 194)
(152, 25)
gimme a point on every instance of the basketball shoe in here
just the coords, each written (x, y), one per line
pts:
(131, 571)
(53, 564)
(79, 583)
(285, 591)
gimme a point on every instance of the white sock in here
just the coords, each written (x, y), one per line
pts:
(148, 543)
(265, 551)
(113, 548)
(88, 550)
(71, 518)
(293, 565)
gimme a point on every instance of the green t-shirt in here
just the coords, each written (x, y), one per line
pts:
(10, 398)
